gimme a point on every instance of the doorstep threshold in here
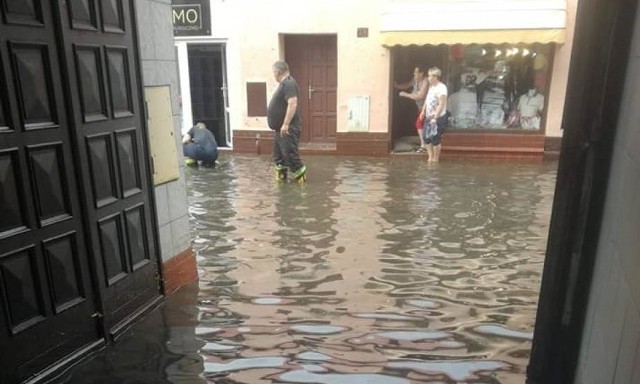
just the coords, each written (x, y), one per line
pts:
(318, 146)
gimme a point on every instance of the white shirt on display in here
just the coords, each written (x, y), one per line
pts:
(530, 105)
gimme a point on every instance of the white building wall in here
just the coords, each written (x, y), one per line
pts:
(159, 67)
(611, 343)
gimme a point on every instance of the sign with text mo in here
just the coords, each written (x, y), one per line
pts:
(191, 18)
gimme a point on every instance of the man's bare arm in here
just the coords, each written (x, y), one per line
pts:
(419, 95)
(292, 106)
(405, 85)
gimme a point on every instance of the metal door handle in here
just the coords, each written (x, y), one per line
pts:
(311, 90)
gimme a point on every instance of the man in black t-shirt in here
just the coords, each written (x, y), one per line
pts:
(284, 119)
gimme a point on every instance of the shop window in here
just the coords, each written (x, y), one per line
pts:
(498, 86)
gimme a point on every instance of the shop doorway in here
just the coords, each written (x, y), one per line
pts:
(313, 61)
(403, 111)
(208, 79)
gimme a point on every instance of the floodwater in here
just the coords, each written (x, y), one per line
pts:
(376, 271)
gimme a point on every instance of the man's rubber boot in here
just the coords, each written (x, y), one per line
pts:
(300, 175)
(281, 173)
(189, 162)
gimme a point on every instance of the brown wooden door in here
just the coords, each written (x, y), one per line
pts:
(101, 55)
(47, 297)
(314, 64)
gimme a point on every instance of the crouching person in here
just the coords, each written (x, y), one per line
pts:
(199, 146)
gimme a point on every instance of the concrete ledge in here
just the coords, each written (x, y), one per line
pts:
(346, 144)
(452, 148)
(552, 146)
(496, 145)
(179, 271)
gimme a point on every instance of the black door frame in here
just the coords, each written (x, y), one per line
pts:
(604, 29)
(217, 49)
(148, 164)
(115, 314)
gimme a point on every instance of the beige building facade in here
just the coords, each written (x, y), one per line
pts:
(346, 57)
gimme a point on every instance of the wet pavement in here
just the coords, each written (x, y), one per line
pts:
(377, 271)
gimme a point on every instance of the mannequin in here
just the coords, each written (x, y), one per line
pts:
(530, 108)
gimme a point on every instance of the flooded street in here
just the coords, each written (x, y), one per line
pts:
(375, 271)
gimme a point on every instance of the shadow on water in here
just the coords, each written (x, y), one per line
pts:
(375, 271)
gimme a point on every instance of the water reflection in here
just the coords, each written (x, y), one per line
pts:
(375, 271)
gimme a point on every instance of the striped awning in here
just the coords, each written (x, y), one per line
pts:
(434, 22)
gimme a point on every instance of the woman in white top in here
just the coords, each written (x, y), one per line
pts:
(434, 113)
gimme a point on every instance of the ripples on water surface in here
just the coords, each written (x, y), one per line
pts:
(375, 271)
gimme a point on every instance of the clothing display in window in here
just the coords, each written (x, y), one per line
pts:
(490, 85)
(463, 106)
(491, 114)
(530, 108)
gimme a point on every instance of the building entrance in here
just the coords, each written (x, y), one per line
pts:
(208, 83)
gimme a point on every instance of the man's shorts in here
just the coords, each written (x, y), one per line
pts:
(419, 122)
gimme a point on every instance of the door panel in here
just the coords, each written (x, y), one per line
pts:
(100, 49)
(297, 57)
(323, 68)
(46, 293)
(313, 63)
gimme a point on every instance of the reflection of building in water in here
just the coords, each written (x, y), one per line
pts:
(361, 188)
(409, 218)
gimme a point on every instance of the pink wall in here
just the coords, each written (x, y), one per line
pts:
(560, 75)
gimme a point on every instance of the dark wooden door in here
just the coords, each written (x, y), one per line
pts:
(47, 297)
(99, 40)
(77, 240)
(313, 63)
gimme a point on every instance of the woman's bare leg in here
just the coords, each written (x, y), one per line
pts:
(436, 153)
(430, 152)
